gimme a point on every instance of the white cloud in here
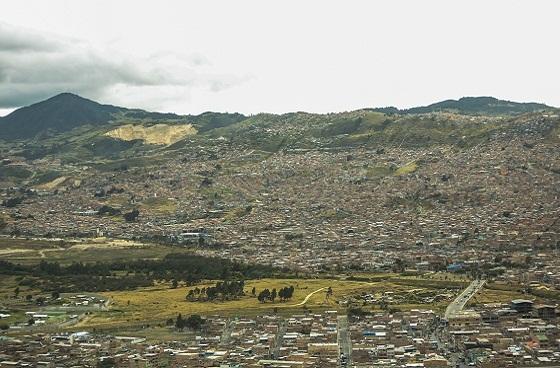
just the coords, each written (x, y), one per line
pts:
(278, 56)
(34, 67)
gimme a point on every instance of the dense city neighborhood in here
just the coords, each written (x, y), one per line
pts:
(498, 335)
(285, 242)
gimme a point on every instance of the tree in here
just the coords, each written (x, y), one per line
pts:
(190, 295)
(108, 210)
(174, 284)
(12, 202)
(194, 322)
(132, 215)
(16, 291)
(55, 294)
(282, 294)
(264, 296)
(273, 295)
(254, 291)
(286, 293)
(211, 293)
(180, 322)
(290, 292)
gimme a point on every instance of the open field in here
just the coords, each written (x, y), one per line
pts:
(158, 303)
(134, 309)
(30, 251)
(486, 296)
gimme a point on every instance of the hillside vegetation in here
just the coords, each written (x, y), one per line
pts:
(75, 129)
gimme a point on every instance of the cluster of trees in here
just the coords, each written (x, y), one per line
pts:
(223, 290)
(131, 216)
(283, 294)
(79, 283)
(111, 211)
(108, 210)
(122, 275)
(193, 322)
(12, 202)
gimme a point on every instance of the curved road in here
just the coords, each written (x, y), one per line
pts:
(307, 297)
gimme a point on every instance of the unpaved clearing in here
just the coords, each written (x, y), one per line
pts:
(7, 251)
(106, 244)
(53, 183)
(155, 134)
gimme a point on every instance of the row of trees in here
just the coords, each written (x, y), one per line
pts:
(193, 322)
(228, 290)
(223, 290)
(283, 294)
(106, 276)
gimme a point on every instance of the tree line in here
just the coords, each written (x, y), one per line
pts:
(283, 294)
(108, 276)
(193, 322)
(222, 290)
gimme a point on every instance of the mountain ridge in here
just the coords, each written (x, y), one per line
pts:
(67, 111)
(61, 112)
(479, 105)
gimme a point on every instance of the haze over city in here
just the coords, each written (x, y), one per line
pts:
(250, 56)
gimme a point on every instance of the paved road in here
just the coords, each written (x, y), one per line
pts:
(307, 297)
(279, 338)
(344, 341)
(459, 303)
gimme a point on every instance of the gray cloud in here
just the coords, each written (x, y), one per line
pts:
(34, 67)
(14, 40)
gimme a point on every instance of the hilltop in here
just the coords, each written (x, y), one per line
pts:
(66, 112)
(60, 113)
(473, 106)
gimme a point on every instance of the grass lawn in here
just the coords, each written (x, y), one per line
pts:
(160, 303)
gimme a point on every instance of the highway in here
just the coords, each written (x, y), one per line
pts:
(344, 342)
(278, 340)
(459, 303)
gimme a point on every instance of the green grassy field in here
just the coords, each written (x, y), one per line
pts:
(161, 302)
(154, 305)
(27, 251)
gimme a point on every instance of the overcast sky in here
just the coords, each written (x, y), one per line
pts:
(278, 56)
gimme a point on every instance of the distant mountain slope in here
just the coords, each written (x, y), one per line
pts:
(67, 111)
(60, 113)
(473, 105)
